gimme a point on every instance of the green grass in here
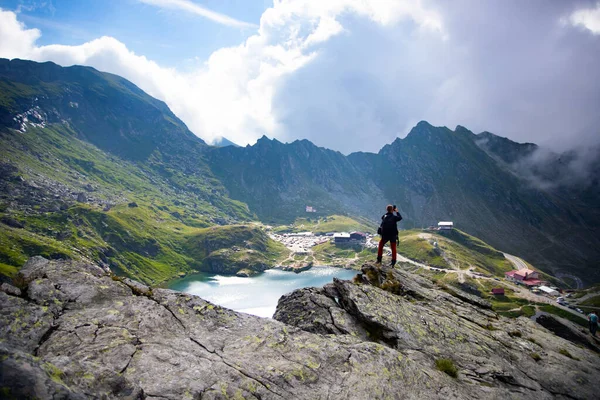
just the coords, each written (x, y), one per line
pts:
(467, 251)
(333, 223)
(528, 311)
(236, 246)
(591, 302)
(149, 242)
(447, 366)
(418, 249)
(8, 270)
(580, 320)
(143, 242)
(17, 245)
(566, 353)
(455, 249)
(328, 253)
(535, 356)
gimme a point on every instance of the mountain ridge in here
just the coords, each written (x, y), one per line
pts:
(433, 174)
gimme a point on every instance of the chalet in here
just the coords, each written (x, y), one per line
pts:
(445, 225)
(341, 237)
(525, 276)
(498, 291)
(358, 236)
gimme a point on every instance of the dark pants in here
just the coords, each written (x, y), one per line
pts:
(382, 242)
(593, 327)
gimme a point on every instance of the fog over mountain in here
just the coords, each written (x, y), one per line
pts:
(353, 76)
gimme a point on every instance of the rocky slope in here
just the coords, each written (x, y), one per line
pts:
(75, 331)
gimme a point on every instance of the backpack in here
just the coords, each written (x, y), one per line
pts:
(388, 225)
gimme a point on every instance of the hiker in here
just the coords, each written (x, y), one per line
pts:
(389, 232)
(593, 319)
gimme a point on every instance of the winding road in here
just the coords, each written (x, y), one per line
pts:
(516, 261)
(578, 281)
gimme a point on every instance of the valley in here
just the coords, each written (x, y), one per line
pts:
(145, 197)
(108, 202)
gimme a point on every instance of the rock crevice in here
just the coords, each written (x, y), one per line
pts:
(94, 335)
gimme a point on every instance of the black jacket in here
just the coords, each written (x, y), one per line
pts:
(388, 224)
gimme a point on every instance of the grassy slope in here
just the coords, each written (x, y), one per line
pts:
(347, 256)
(581, 320)
(592, 302)
(148, 242)
(245, 245)
(141, 242)
(455, 250)
(70, 160)
(334, 223)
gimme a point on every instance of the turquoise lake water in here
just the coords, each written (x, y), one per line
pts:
(256, 295)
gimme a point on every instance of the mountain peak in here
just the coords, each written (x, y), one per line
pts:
(460, 128)
(264, 139)
(224, 142)
(103, 109)
(503, 148)
(425, 131)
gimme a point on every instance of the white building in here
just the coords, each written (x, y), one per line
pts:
(341, 237)
(445, 225)
(298, 234)
(548, 290)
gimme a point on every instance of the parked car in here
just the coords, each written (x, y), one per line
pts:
(572, 307)
(579, 310)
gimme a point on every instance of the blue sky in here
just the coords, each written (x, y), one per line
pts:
(170, 37)
(350, 75)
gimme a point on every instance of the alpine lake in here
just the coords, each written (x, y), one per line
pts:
(256, 295)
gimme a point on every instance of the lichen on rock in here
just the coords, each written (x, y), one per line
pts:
(75, 332)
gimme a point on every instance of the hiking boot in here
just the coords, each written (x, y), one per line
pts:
(393, 263)
(378, 260)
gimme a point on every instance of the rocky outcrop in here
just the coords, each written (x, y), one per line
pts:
(76, 331)
(297, 268)
(496, 357)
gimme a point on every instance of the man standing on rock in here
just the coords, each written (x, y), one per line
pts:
(593, 320)
(389, 232)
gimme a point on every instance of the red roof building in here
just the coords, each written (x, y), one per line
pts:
(498, 291)
(525, 276)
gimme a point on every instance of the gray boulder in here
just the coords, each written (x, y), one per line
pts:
(79, 332)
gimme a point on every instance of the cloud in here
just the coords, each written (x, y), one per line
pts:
(353, 75)
(191, 7)
(33, 5)
(232, 94)
(14, 37)
(588, 18)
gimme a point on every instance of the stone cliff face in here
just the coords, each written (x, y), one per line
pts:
(76, 331)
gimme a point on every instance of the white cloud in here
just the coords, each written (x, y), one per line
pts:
(588, 18)
(191, 7)
(232, 94)
(14, 37)
(353, 74)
